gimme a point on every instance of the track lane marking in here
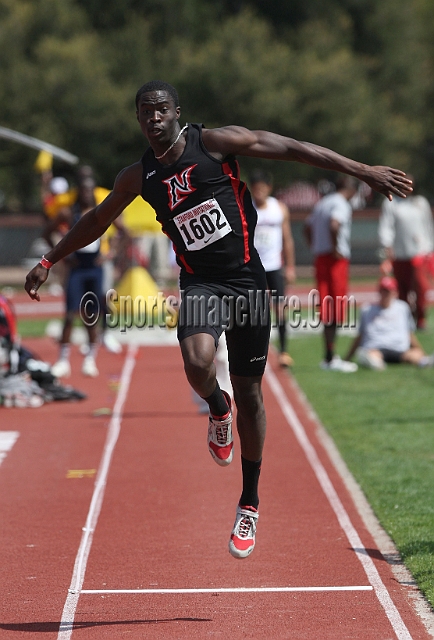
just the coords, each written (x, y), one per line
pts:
(230, 590)
(68, 614)
(7, 441)
(353, 537)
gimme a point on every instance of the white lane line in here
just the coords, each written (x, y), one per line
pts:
(230, 590)
(67, 621)
(7, 441)
(372, 574)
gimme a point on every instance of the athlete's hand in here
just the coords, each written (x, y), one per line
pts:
(388, 181)
(35, 278)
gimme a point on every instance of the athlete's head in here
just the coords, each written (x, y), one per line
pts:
(158, 85)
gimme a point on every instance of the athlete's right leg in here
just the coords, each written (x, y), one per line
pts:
(199, 332)
(198, 351)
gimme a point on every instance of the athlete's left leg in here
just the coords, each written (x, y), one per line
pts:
(251, 424)
(251, 428)
(248, 348)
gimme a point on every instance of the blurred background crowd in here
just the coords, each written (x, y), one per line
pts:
(353, 76)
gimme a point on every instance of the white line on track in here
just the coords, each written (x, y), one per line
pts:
(7, 441)
(230, 590)
(67, 621)
(372, 574)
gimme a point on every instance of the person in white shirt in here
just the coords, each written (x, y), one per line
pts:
(406, 234)
(328, 232)
(386, 333)
(274, 243)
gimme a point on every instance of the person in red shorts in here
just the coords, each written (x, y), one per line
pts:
(406, 234)
(328, 232)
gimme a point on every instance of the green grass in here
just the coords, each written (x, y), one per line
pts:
(32, 327)
(382, 423)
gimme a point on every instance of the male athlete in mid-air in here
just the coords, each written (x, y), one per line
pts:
(191, 178)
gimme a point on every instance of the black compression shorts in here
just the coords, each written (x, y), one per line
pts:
(237, 303)
(391, 356)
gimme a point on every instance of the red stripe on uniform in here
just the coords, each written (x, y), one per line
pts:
(179, 255)
(187, 267)
(235, 181)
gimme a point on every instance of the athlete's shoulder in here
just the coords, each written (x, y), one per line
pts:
(228, 139)
(130, 178)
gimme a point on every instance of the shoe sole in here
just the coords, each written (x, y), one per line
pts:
(239, 554)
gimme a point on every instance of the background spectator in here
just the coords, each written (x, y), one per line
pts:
(328, 233)
(386, 333)
(406, 233)
(275, 245)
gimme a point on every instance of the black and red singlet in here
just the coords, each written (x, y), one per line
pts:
(203, 207)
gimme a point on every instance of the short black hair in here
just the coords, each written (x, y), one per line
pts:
(258, 175)
(158, 85)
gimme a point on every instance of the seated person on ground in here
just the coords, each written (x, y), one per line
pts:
(386, 333)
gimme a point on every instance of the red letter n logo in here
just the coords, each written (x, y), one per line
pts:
(179, 186)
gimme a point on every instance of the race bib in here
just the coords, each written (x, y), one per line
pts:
(202, 225)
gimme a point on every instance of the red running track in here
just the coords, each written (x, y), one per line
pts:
(152, 560)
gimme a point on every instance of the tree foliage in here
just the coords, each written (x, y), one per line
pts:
(353, 75)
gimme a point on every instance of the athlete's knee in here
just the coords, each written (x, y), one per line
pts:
(198, 353)
(248, 394)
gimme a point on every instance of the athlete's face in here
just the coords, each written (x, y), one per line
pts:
(157, 116)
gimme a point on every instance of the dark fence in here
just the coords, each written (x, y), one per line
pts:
(17, 234)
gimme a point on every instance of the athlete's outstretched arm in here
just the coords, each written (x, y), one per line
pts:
(264, 144)
(90, 227)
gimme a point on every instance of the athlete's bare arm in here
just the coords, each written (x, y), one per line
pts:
(90, 226)
(264, 144)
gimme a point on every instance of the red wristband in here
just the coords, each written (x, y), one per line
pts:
(45, 263)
